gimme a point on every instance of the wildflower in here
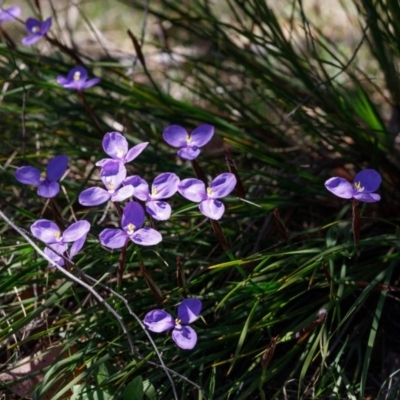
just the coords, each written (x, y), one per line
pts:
(184, 336)
(8, 14)
(116, 146)
(195, 190)
(36, 29)
(365, 183)
(95, 196)
(46, 181)
(49, 233)
(164, 186)
(176, 136)
(77, 78)
(132, 220)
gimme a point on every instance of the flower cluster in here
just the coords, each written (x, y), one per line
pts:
(49, 233)
(365, 183)
(183, 335)
(134, 197)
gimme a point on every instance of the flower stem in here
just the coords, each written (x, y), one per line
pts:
(121, 264)
(356, 222)
(90, 113)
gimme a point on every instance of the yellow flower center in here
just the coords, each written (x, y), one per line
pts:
(209, 191)
(188, 139)
(77, 76)
(120, 153)
(358, 186)
(111, 185)
(153, 191)
(178, 322)
(131, 228)
(57, 235)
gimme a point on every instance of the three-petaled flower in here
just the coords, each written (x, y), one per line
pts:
(195, 190)
(132, 220)
(184, 336)
(77, 79)
(116, 146)
(46, 181)
(95, 195)
(48, 232)
(36, 29)
(10, 13)
(164, 186)
(176, 136)
(362, 188)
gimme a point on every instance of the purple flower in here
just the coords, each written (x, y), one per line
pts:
(176, 136)
(77, 78)
(8, 14)
(95, 196)
(48, 232)
(184, 336)
(132, 220)
(195, 190)
(164, 186)
(36, 30)
(365, 183)
(116, 146)
(47, 181)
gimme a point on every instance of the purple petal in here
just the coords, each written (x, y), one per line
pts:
(189, 310)
(193, 189)
(89, 83)
(59, 248)
(56, 167)
(33, 26)
(158, 321)
(94, 196)
(135, 151)
(8, 14)
(30, 40)
(140, 187)
(146, 237)
(185, 338)
(221, 186)
(62, 80)
(367, 197)
(340, 187)
(76, 230)
(77, 245)
(110, 167)
(48, 190)
(115, 145)
(28, 175)
(212, 208)
(201, 135)
(189, 153)
(113, 238)
(158, 209)
(46, 25)
(164, 186)
(77, 73)
(175, 136)
(123, 193)
(46, 231)
(113, 182)
(369, 180)
(133, 214)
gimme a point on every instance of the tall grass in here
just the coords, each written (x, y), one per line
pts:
(294, 308)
